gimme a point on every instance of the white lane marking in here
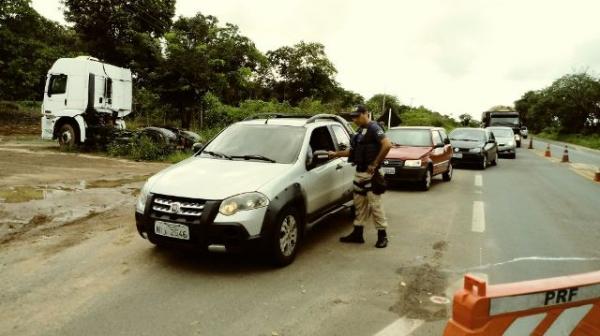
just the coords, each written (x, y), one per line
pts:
(525, 325)
(401, 327)
(568, 320)
(478, 223)
(478, 180)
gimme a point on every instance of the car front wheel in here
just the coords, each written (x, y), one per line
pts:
(285, 239)
(484, 162)
(426, 182)
(447, 176)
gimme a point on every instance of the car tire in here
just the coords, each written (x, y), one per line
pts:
(67, 136)
(285, 239)
(447, 176)
(426, 181)
(483, 163)
(495, 162)
(513, 156)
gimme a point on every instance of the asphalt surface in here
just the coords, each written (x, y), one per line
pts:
(525, 219)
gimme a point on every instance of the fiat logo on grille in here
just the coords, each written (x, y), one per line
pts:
(175, 207)
(386, 162)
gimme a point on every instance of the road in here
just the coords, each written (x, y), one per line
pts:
(87, 272)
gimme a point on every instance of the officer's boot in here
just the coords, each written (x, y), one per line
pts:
(355, 237)
(382, 240)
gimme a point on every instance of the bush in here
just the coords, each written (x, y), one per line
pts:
(139, 148)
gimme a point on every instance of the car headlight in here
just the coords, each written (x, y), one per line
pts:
(243, 202)
(475, 150)
(140, 205)
(412, 163)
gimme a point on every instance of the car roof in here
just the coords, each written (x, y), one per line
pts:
(416, 127)
(499, 127)
(297, 122)
(469, 128)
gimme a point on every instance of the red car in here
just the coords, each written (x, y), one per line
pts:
(419, 154)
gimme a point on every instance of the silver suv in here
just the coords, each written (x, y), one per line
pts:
(260, 182)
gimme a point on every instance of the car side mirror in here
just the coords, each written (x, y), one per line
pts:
(197, 146)
(320, 156)
(49, 93)
(446, 141)
(491, 141)
(343, 146)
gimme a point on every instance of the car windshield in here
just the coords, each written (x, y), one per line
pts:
(504, 121)
(257, 142)
(410, 137)
(502, 133)
(465, 134)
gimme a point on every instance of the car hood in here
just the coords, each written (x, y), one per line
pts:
(466, 144)
(504, 140)
(408, 153)
(214, 179)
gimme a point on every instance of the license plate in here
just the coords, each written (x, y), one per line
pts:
(172, 230)
(457, 155)
(389, 170)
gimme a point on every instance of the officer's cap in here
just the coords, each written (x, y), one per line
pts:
(360, 109)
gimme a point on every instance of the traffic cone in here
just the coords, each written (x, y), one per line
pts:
(597, 177)
(530, 143)
(547, 153)
(565, 157)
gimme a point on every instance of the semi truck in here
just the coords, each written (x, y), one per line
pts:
(84, 99)
(506, 118)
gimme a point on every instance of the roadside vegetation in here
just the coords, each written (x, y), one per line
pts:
(568, 110)
(191, 72)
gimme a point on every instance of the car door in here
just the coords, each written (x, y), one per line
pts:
(345, 175)
(437, 154)
(320, 180)
(490, 148)
(447, 149)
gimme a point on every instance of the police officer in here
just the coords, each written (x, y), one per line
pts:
(367, 150)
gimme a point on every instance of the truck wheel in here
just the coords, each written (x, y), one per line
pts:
(67, 136)
(447, 176)
(285, 238)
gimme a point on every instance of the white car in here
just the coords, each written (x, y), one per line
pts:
(261, 182)
(524, 132)
(505, 137)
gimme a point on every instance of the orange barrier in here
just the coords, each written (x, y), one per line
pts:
(548, 153)
(567, 305)
(530, 143)
(597, 176)
(565, 157)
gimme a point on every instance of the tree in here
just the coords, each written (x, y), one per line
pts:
(30, 44)
(380, 103)
(465, 119)
(302, 71)
(124, 33)
(202, 57)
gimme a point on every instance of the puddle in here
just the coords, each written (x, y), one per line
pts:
(21, 194)
(115, 183)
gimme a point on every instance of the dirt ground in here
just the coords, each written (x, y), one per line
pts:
(43, 189)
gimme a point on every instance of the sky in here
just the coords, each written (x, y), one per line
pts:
(454, 57)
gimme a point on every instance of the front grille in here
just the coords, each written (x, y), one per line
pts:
(393, 163)
(178, 209)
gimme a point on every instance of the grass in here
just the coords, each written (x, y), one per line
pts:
(589, 141)
(21, 194)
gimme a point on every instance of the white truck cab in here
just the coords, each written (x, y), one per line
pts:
(81, 95)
